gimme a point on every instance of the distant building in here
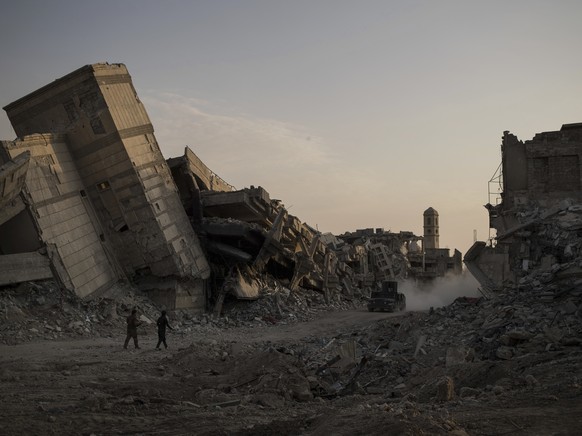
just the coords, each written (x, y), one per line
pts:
(431, 228)
(377, 255)
(433, 261)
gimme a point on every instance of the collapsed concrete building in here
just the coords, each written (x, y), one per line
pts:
(100, 195)
(534, 211)
(88, 199)
(378, 255)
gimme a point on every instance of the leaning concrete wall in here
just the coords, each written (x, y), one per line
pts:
(178, 250)
(24, 267)
(63, 216)
(126, 177)
(207, 179)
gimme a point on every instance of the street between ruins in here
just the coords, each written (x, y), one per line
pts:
(43, 379)
(277, 379)
(327, 324)
(275, 327)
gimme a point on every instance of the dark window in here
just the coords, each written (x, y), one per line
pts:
(71, 111)
(90, 101)
(97, 126)
(103, 186)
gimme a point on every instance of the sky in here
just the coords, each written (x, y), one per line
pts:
(355, 114)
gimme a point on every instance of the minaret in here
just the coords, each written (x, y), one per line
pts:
(431, 228)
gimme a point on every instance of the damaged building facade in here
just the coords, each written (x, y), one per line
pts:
(100, 195)
(377, 255)
(88, 200)
(535, 212)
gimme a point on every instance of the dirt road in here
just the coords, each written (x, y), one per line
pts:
(94, 386)
(327, 324)
(344, 373)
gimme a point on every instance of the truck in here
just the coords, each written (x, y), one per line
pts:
(387, 298)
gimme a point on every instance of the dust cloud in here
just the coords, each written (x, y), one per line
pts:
(442, 292)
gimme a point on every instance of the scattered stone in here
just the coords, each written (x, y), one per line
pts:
(445, 389)
(466, 392)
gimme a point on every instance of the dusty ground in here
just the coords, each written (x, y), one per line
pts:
(269, 380)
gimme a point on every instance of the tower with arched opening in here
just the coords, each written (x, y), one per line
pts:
(431, 228)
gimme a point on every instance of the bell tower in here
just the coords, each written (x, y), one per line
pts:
(431, 228)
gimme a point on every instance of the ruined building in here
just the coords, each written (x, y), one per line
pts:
(401, 255)
(100, 194)
(534, 211)
(432, 261)
(88, 200)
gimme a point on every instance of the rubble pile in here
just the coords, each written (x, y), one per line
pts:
(551, 245)
(277, 304)
(467, 339)
(428, 366)
(475, 347)
(42, 310)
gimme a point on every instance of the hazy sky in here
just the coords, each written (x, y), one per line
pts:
(355, 114)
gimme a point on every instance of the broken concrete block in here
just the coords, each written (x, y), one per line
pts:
(14, 313)
(553, 334)
(466, 392)
(145, 319)
(519, 335)
(571, 342)
(504, 353)
(569, 308)
(445, 389)
(300, 390)
(459, 355)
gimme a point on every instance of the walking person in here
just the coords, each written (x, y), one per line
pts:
(132, 325)
(162, 323)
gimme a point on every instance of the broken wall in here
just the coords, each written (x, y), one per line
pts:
(62, 215)
(542, 170)
(542, 180)
(12, 176)
(206, 179)
(126, 178)
(17, 230)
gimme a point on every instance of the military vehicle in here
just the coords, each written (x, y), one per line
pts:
(387, 299)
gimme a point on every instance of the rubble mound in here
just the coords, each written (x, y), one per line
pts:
(43, 310)
(278, 305)
(266, 377)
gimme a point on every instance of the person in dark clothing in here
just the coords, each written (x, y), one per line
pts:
(132, 324)
(162, 323)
